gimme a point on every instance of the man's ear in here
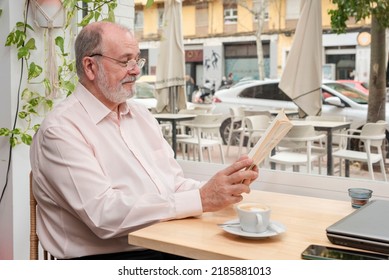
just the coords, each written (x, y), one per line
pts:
(90, 68)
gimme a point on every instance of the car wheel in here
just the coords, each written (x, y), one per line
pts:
(225, 130)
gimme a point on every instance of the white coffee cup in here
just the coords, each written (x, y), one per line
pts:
(253, 217)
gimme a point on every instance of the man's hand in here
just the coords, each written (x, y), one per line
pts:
(226, 186)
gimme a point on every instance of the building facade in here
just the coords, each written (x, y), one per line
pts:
(219, 38)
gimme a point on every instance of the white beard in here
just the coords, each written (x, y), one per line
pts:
(116, 94)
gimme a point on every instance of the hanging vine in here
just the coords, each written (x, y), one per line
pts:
(33, 100)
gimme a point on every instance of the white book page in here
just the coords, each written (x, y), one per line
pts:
(276, 131)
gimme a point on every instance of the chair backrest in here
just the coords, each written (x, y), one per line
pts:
(215, 120)
(237, 113)
(257, 122)
(256, 113)
(377, 129)
(208, 108)
(208, 119)
(34, 240)
(296, 135)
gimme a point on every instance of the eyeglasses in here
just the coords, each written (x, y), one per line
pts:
(129, 64)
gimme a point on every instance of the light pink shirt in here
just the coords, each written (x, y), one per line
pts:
(98, 177)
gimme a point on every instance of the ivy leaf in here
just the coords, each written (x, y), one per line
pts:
(20, 25)
(34, 71)
(4, 131)
(26, 139)
(34, 102)
(49, 103)
(86, 19)
(26, 94)
(47, 84)
(97, 15)
(13, 141)
(19, 38)
(32, 111)
(30, 44)
(149, 3)
(29, 27)
(23, 53)
(10, 39)
(111, 16)
(36, 127)
(59, 41)
(22, 114)
(16, 131)
(69, 86)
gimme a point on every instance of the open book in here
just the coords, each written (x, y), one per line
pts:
(278, 128)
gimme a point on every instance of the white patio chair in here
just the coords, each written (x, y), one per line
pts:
(249, 113)
(253, 128)
(237, 115)
(205, 133)
(181, 127)
(372, 136)
(297, 148)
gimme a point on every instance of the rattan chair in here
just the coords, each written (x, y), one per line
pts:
(34, 240)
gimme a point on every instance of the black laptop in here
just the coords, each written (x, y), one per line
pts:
(366, 228)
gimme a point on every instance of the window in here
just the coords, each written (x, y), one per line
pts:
(160, 18)
(138, 20)
(230, 15)
(293, 9)
(266, 91)
(258, 12)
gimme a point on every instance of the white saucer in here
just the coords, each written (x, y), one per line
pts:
(235, 229)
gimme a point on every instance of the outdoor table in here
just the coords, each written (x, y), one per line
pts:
(305, 218)
(290, 113)
(329, 127)
(174, 118)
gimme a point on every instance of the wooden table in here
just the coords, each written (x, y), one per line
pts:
(329, 127)
(305, 218)
(174, 118)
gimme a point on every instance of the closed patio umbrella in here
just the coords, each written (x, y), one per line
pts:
(170, 78)
(302, 76)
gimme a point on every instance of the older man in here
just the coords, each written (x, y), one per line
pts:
(101, 165)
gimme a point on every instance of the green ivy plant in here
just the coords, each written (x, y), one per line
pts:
(34, 104)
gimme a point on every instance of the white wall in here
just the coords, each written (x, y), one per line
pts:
(14, 209)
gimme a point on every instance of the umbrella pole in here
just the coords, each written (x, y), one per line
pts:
(173, 99)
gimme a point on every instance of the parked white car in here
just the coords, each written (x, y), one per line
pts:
(338, 99)
(145, 94)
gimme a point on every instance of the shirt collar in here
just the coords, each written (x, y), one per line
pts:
(96, 110)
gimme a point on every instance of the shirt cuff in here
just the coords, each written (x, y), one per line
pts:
(188, 204)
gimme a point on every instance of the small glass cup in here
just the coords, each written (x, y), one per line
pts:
(359, 196)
